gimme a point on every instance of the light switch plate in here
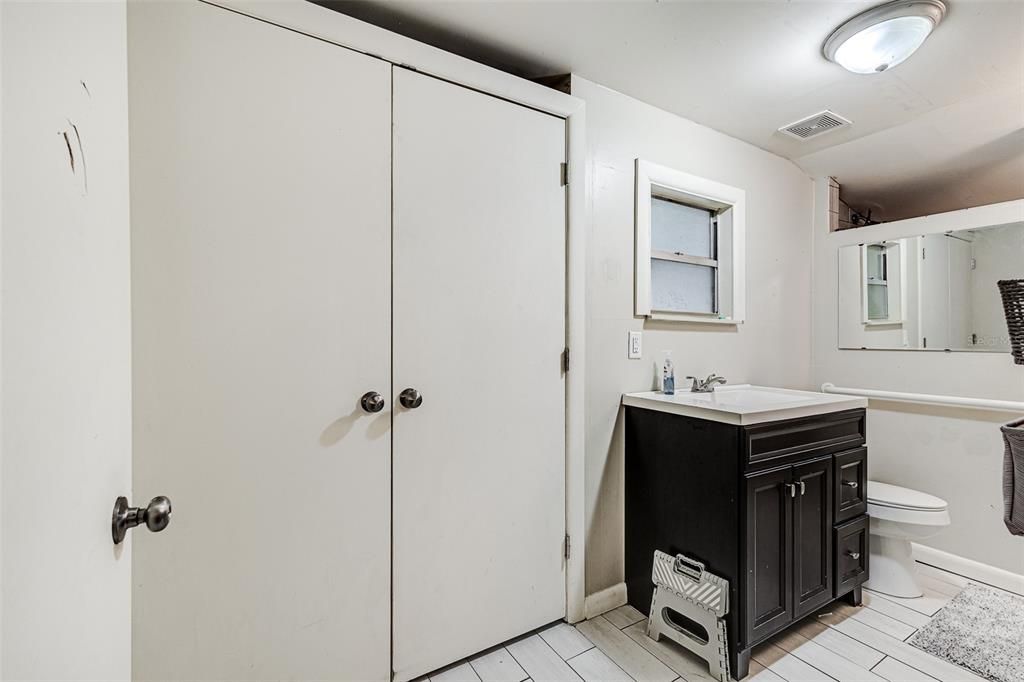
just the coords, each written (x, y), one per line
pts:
(635, 348)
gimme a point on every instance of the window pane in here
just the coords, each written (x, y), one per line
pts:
(682, 287)
(878, 302)
(876, 263)
(680, 229)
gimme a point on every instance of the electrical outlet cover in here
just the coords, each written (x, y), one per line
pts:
(635, 346)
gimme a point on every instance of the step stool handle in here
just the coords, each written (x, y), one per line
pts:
(691, 568)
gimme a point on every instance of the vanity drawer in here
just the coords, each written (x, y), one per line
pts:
(806, 437)
(851, 554)
(851, 484)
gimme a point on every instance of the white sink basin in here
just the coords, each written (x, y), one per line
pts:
(745, 404)
(750, 396)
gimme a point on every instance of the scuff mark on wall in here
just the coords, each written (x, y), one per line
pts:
(71, 154)
(86, 88)
(78, 169)
(81, 155)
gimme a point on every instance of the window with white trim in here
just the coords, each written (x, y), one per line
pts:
(689, 237)
(882, 289)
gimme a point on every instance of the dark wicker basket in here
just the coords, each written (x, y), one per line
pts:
(1012, 291)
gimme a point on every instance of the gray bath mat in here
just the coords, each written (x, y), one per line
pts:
(981, 629)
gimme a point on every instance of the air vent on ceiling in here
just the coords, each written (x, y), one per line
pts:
(812, 126)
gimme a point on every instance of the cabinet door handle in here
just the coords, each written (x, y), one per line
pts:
(853, 555)
(850, 484)
(790, 488)
(803, 488)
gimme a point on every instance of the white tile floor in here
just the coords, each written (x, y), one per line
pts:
(840, 644)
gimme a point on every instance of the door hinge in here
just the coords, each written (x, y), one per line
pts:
(922, 253)
(568, 546)
(564, 173)
(565, 359)
(924, 342)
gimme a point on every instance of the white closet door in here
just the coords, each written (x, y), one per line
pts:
(961, 257)
(479, 328)
(260, 197)
(934, 292)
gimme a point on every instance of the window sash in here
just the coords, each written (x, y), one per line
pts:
(716, 306)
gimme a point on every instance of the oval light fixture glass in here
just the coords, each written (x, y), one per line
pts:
(883, 36)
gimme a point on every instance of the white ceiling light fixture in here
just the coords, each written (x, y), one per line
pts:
(883, 36)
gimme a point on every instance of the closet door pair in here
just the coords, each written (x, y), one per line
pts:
(310, 225)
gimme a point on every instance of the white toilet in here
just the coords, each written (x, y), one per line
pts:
(900, 516)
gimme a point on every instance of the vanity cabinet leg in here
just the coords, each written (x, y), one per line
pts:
(856, 597)
(741, 666)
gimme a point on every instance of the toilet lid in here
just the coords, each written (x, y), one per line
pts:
(887, 495)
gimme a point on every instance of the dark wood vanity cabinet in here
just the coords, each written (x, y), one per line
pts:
(776, 508)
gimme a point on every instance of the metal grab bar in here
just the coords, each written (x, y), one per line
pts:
(957, 401)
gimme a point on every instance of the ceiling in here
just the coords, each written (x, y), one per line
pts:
(944, 130)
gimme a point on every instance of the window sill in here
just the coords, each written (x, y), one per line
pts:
(691, 318)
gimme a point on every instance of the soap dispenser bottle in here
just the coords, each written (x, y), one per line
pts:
(668, 375)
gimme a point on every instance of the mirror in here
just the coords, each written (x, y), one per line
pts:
(929, 292)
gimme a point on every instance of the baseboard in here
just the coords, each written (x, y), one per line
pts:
(607, 599)
(969, 568)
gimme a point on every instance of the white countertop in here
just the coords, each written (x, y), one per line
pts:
(744, 404)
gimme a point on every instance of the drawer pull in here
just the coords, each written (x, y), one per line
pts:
(803, 488)
(853, 555)
(790, 488)
(851, 484)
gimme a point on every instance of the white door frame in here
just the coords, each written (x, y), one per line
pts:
(333, 27)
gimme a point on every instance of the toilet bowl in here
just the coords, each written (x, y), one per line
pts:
(900, 516)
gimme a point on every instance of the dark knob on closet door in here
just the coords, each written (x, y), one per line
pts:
(156, 515)
(410, 398)
(372, 402)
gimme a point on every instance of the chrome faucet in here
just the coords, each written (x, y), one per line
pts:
(706, 385)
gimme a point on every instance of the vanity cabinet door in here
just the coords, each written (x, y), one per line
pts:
(812, 535)
(769, 545)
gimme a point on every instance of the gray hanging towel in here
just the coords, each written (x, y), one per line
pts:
(1013, 477)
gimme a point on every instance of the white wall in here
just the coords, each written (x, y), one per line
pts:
(772, 347)
(953, 453)
(66, 402)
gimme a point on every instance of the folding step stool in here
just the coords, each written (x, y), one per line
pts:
(682, 584)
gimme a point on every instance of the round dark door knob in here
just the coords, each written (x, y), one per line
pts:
(372, 402)
(156, 515)
(410, 398)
